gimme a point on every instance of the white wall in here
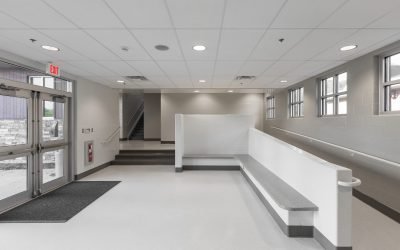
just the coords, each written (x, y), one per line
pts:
(97, 107)
(202, 103)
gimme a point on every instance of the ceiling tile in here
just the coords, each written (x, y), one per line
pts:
(7, 22)
(82, 43)
(151, 38)
(305, 13)
(147, 68)
(254, 68)
(77, 12)
(358, 13)
(36, 14)
(208, 38)
(181, 81)
(238, 44)
(271, 49)
(114, 40)
(227, 68)
(253, 13)
(201, 70)
(120, 67)
(317, 42)
(389, 21)
(281, 68)
(20, 49)
(308, 68)
(92, 68)
(174, 68)
(363, 38)
(196, 14)
(142, 14)
(161, 81)
(263, 82)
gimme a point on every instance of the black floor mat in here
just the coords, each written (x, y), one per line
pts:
(59, 205)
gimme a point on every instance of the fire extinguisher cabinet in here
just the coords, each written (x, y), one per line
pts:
(89, 152)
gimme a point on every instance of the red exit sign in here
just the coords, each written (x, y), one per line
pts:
(53, 70)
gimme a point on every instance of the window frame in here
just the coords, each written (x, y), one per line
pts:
(384, 86)
(270, 100)
(335, 95)
(293, 101)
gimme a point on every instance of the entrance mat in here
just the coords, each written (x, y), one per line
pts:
(59, 205)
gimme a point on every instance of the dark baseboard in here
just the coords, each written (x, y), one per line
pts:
(325, 243)
(91, 171)
(289, 230)
(167, 142)
(123, 139)
(152, 139)
(389, 212)
(208, 167)
(178, 170)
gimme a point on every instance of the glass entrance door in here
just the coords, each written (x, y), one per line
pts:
(16, 146)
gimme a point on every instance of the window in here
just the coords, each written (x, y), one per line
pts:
(271, 107)
(296, 102)
(391, 83)
(333, 95)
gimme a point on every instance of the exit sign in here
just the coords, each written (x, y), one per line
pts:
(53, 70)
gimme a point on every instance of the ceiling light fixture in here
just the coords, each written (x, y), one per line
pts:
(348, 47)
(230, 91)
(202, 81)
(283, 81)
(120, 81)
(196, 91)
(51, 48)
(199, 47)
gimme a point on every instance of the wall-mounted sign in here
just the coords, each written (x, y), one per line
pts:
(53, 70)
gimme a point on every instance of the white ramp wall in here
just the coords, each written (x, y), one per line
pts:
(314, 178)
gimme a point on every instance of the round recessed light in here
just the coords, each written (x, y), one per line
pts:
(120, 81)
(199, 47)
(230, 91)
(348, 47)
(161, 47)
(196, 91)
(202, 81)
(51, 48)
(283, 81)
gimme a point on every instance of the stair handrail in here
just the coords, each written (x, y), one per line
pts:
(135, 118)
(111, 137)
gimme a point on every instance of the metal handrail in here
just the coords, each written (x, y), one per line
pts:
(109, 139)
(135, 119)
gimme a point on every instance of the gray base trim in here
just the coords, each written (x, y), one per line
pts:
(91, 171)
(167, 142)
(152, 139)
(326, 243)
(208, 167)
(389, 212)
(178, 170)
(289, 230)
(123, 139)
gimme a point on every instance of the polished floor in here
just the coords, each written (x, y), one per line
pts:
(155, 208)
(144, 145)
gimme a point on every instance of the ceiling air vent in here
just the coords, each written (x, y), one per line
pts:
(140, 78)
(243, 78)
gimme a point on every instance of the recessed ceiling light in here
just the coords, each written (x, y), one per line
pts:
(196, 91)
(348, 47)
(161, 47)
(230, 91)
(51, 48)
(283, 81)
(202, 81)
(199, 47)
(120, 81)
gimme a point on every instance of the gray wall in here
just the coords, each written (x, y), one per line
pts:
(230, 103)
(152, 116)
(130, 104)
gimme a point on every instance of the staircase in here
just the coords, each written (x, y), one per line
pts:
(138, 132)
(145, 157)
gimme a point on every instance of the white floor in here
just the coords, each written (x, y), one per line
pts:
(145, 145)
(155, 208)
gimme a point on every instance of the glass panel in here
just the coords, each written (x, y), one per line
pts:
(53, 121)
(342, 82)
(329, 86)
(395, 67)
(342, 104)
(49, 82)
(301, 109)
(36, 80)
(13, 121)
(329, 106)
(13, 176)
(395, 97)
(301, 94)
(53, 165)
